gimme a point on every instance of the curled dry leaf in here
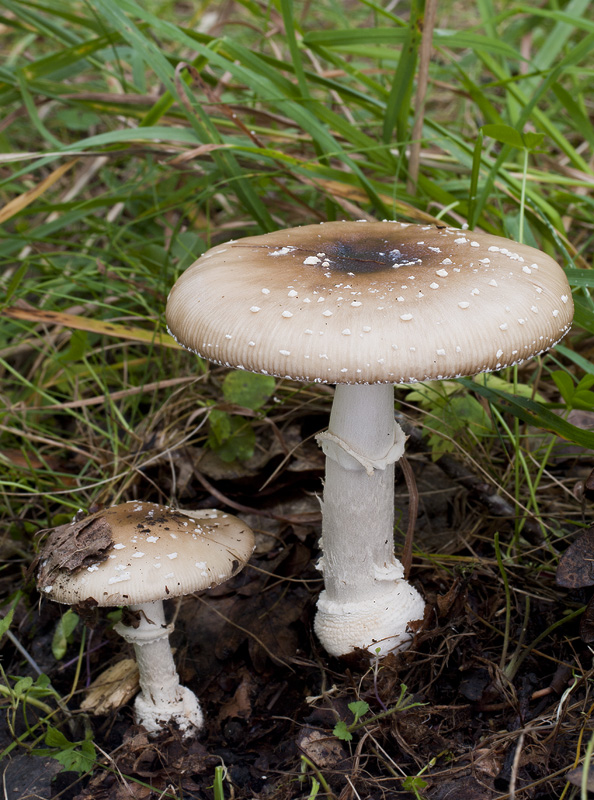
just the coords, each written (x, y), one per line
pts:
(576, 568)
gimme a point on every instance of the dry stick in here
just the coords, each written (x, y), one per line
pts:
(423, 77)
(413, 510)
(516, 766)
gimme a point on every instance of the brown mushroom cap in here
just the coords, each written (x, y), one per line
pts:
(367, 302)
(156, 552)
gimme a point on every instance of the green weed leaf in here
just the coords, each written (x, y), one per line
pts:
(358, 709)
(55, 738)
(532, 140)
(22, 686)
(341, 731)
(461, 415)
(248, 389)
(74, 756)
(508, 135)
(6, 622)
(63, 633)
(504, 134)
(230, 437)
(565, 384)
(43, 684)
(77, 760)
(414, 783)
(77, 347)
(584, 400)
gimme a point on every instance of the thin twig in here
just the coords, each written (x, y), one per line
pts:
(422, 80)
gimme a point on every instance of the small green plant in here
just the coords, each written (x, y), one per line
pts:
(416, 783)
(316, 783)
(63, 633)
(231, 436)
(217, 784)
(359, 708)
(21, 692)
(451, 413)
(575, 395)
(73, 756)
(343, 731)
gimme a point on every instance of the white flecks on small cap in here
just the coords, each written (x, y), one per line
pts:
(222, 541)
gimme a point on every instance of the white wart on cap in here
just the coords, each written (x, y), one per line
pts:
(156, 553)
(363, 302)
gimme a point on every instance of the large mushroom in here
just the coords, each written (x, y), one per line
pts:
(137, 554)
(367, 305)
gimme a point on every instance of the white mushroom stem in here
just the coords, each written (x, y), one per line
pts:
(162, 698)
(366, 602)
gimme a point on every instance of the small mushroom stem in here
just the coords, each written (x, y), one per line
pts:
(162, 698)
(366, 602)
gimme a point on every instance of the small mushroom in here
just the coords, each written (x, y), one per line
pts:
(366, 305)
(154, 553)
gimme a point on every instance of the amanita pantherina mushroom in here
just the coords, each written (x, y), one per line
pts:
(367, 305)
(147, 553)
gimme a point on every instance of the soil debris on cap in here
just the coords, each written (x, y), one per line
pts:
(74, 546)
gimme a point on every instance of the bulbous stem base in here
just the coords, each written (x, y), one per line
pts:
(162, 699)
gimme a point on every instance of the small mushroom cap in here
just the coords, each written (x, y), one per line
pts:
(370, 302)
(156, 552)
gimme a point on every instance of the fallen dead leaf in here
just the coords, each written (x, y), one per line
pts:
(113, 688)
(117, 330)
(26, 198)
(575, 776)
(322, 748)
(240, 704)
(576, 568)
